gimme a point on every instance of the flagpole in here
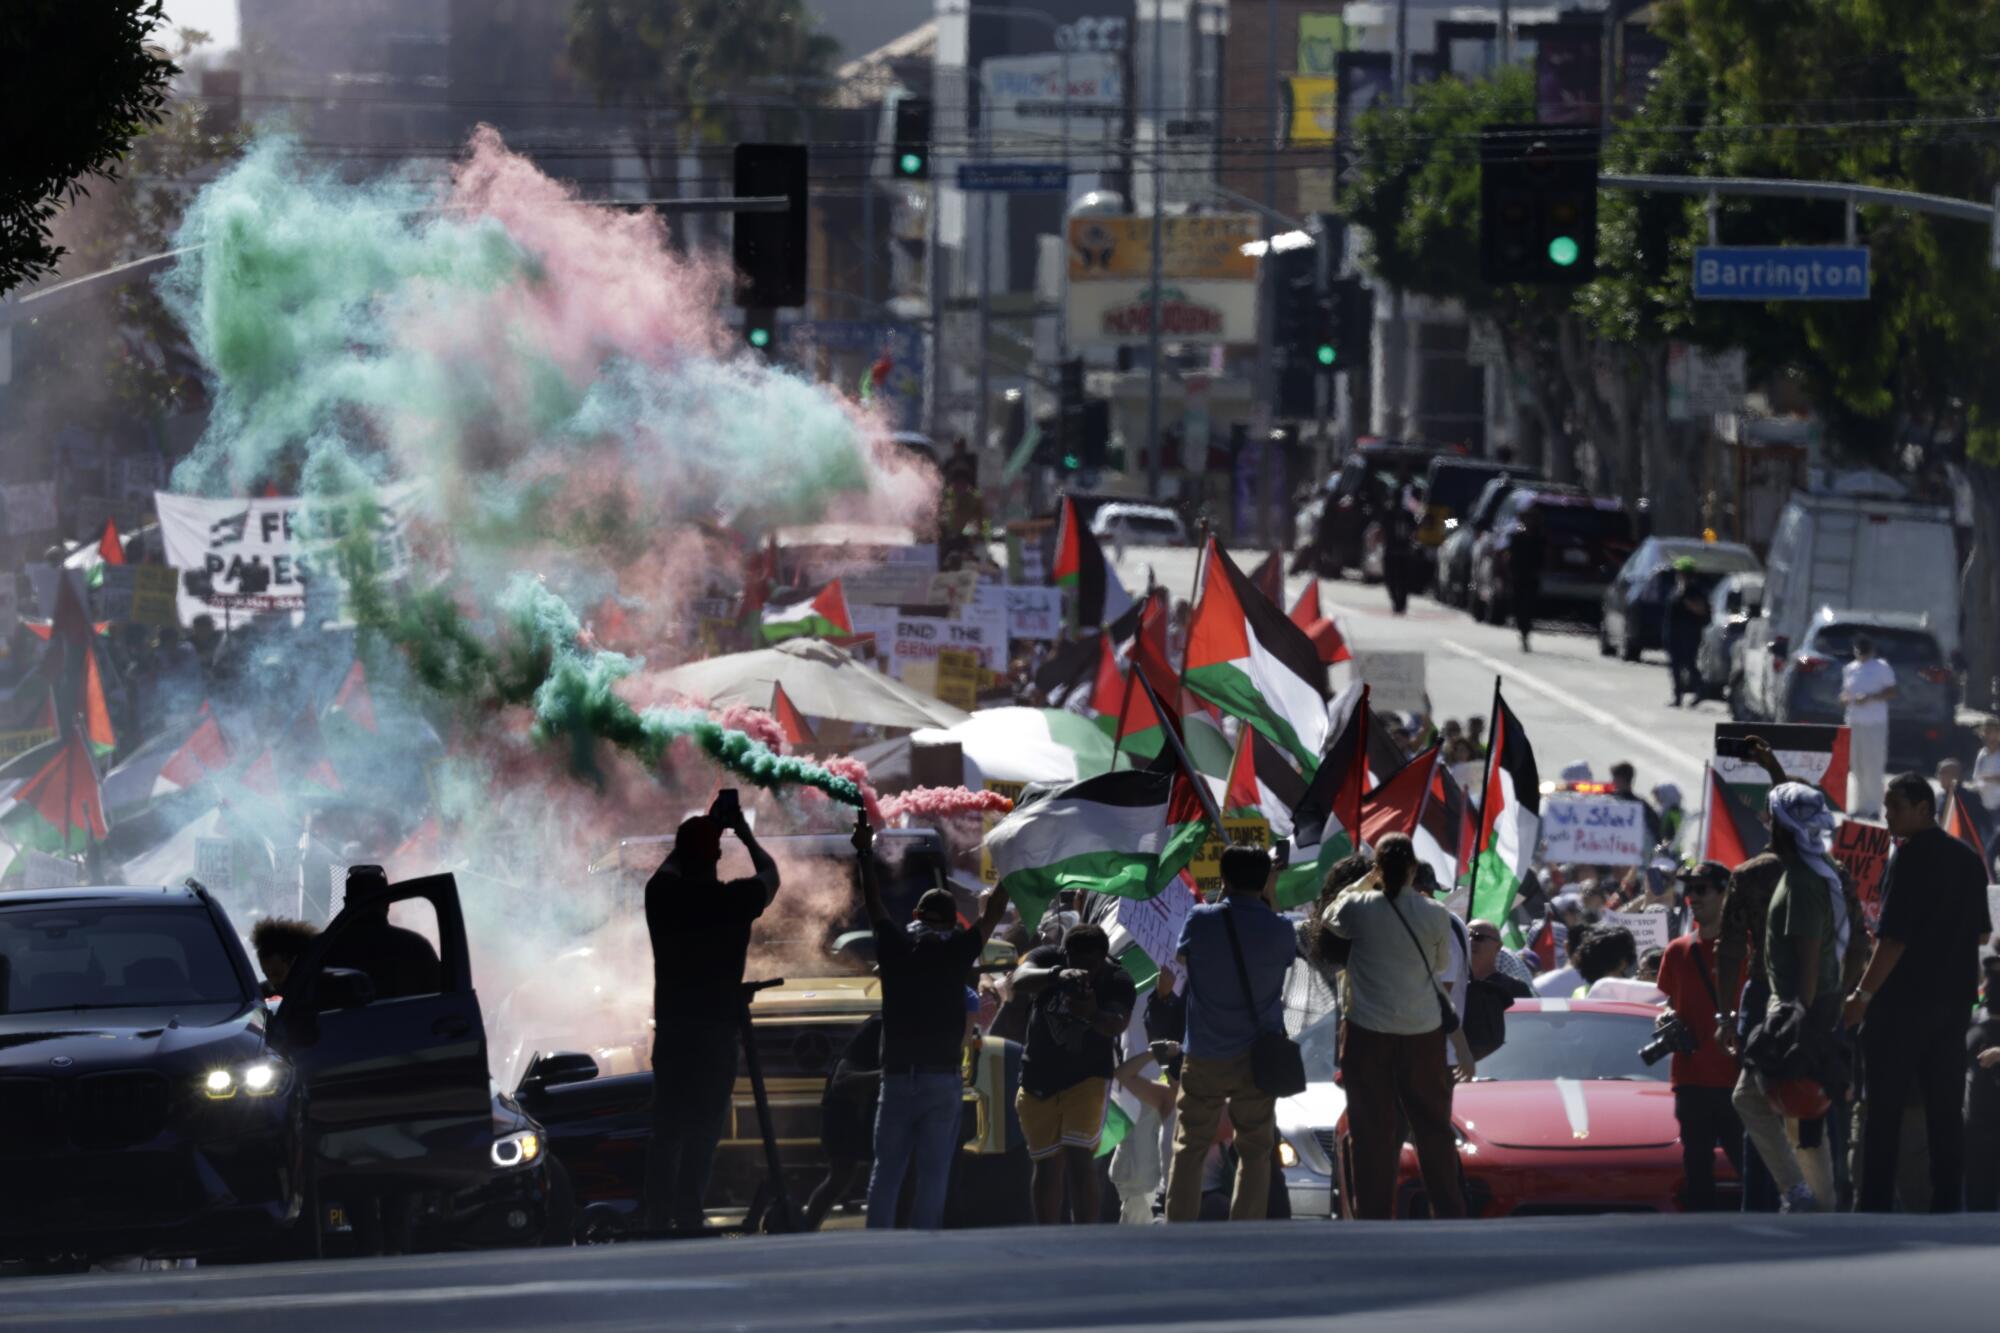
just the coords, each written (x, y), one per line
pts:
(1200, 783)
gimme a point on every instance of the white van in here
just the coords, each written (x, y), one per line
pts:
(1850, 554)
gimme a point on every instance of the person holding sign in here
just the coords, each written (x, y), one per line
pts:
(1912, 1002)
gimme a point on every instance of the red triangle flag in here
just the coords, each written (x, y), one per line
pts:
(1242, 793)
(1319, 628)
(1960, 824)
(1270, 577)
(203, 752)
(798, 732)
(1107, 694)
(1395, 806)
(354, 700)
(110, 548)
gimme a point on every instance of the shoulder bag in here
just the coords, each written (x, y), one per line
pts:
(1277, 1065)
(1447, 1015)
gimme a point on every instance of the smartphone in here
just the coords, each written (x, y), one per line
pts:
(1732, 747)
(1281, 853)
(728, 806)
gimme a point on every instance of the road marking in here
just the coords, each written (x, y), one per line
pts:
(1673, 754)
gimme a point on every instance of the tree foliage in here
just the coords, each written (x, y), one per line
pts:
(80, 83)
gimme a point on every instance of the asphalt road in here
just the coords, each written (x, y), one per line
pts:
(1576, 704)
(1629, 1274)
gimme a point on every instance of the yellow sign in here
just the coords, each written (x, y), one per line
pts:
(1240, 831)
(1012, 791)
(1209, 246)
(20, 742)
(959, 677)
(1315, 103)
(153, 595)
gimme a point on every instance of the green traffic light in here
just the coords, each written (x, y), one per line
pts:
(1327, 355)
(760, 337)
(1563, 251)
(910, 164)
(1072, 462)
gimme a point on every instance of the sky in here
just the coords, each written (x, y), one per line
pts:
(215, 17)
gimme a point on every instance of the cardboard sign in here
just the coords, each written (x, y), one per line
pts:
(959, 677)
(1650, 930)
(1593, 831)
(1155, 923)
(987, 825)
(954, 588)
(1396, 681)
(1239, 831)
(1863, 851)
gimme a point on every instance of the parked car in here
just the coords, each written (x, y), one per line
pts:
(1453, 584)
(1585, 541)
(1733, 603)
(155, 1105)
(1803, 684)
(1565, 1118)
(1635, 602)
(1138, 525)
(1852, 554)
(1452, 486)
(1339, 539)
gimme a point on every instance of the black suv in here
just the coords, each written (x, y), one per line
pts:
(153, 1103)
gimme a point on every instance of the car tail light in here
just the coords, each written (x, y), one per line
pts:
(1808, 664)
(1936, 675)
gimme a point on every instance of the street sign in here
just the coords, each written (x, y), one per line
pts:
(1781, 273)
(1012, 177)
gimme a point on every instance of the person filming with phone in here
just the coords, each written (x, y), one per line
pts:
(700, 928)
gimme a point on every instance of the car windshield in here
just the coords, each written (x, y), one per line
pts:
(1586, 521)
(1912, 648)
(1716, 560)
(1542, 1045)
(97, 957)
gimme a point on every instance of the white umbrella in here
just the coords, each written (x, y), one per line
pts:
(821, 680)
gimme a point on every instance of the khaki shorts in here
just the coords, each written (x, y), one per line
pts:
(1072, 1118)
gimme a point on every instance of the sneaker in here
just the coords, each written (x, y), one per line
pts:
(1799, 1199)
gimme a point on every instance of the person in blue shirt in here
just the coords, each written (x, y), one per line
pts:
(1223, 1022)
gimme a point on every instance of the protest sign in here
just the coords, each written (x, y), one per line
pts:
(243, 555)
(1034, 613)
(1396, 681)
(903, 579)
(215, 862)
(1807, 751)
(153, 588)
(20, 740)
(1863, 851)
(959, 677)
(1650, 930)
(1593, 831)
(112, 598)
(1238, 831)
(922, 638)
(1012, 791)
(954, 588)
(1153, 924)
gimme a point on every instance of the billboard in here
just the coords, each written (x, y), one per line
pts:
(1025, 94)
(1191, 311)
(1207, 247)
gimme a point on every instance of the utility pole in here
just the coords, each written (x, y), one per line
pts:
(1153, 443)
(983, 408)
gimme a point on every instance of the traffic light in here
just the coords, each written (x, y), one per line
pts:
(770, 248)
(760, 330)
(912, 159)
(1353, 322)
(1301, 330)
(1096, 433)
(1538, 203)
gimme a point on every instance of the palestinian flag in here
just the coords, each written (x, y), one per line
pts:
(1732, 831)
(1082, 567)
(205, 751)
(1327, 817)
(1269, 576)
(1107, 693)
(1397, 804)
(1202, 733)
(80, 681)
(1510, 818)
(1325, 635)
(1125, 833)
(1065, 678)
(1425, 802)
(1958, 822)
(1244, 657)
(822, 616)
(1386, 755)
(798, 732)
(59, 809)
(110, 547)
(1139, 719)
(353, 703)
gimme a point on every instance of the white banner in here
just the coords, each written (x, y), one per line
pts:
(1193, 310)
(1396, 681)
(1650, 930)
(1593, 831)
(1034, 613)
(238, 557)
(1026, 95)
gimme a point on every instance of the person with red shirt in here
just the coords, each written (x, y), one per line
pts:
(1703, 1079)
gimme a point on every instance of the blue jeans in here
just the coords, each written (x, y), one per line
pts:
(916, 1124)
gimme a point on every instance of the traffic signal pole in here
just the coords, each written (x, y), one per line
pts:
(1154, 448)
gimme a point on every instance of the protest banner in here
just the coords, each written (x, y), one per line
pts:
(1237, 831)
(1593, 831)
(1863, 851)
(922, 638)
(959, 677)
(1153, 925)
(1396, 681)
(1650, 930)
(1012, 791)
(245, 555)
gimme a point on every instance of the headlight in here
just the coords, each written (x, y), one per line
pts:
(516, 1149)
(1288, 1156)
(257, 1078)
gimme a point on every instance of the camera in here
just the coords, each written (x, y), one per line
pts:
(1670, 1037)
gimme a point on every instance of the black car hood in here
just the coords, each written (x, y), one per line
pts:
(81, 1040)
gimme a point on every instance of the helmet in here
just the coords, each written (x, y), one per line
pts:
(1801, 1098)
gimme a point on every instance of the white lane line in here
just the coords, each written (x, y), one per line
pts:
(1673, 754)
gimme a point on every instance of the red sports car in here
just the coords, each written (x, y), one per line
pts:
(1565, 1118)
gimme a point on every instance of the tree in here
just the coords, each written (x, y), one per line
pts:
(81, 83)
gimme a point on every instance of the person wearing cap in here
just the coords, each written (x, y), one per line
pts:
(1704, 1079)
(1686, 615)
(700, 929)
(923, 965)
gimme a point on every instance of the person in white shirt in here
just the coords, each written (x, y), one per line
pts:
(1985, 779)
(1866, 686)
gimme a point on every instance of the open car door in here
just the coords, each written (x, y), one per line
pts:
(397, 1088)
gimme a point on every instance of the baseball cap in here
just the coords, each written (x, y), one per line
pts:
(1711, 872)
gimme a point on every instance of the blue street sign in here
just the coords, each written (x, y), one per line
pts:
(1012, 177)
(1781, 273)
